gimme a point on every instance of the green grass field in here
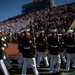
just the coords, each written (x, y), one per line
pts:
(42, 70)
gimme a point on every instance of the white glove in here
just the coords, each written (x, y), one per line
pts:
(2, 39)
(3, 48)
(4, 44)
(4, 57)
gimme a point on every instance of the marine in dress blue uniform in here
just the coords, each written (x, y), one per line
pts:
(28, 54)
(2, 65)
(53, 47)
(41, 44)
(70, 49)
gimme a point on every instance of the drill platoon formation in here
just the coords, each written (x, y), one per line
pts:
(52, 49)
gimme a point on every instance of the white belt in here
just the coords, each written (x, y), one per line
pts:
(20, 44)
(54, 46)
(70, 45)
(41, 44)
(26, 47)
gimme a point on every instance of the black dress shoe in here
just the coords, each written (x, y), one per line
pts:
(53, 74)
(10, 69)
(58, 73)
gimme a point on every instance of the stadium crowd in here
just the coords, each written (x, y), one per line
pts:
(46, 19)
